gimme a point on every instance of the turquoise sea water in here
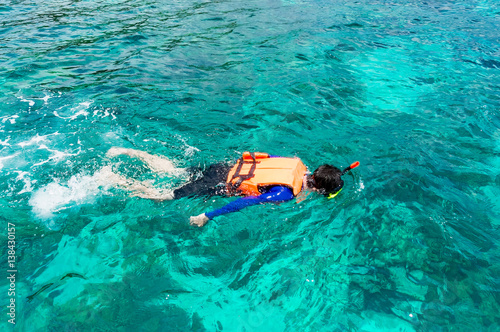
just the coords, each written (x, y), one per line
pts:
(408, 88)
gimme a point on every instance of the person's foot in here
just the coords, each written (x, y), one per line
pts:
(106, 177)
(153, 194)
(114, 151)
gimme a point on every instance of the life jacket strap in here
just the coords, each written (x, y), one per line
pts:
(241, 178)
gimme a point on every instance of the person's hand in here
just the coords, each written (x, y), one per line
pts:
(199, 221)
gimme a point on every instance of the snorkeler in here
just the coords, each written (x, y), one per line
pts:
(259, 177)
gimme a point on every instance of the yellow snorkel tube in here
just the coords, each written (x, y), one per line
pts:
(332, 195)
(338, 190)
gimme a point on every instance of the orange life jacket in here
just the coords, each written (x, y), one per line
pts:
(255, 171)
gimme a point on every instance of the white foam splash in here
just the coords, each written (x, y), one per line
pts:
(5, 143)
(30, 102)
(6, 158)
(34, 140)
(11, 119)
(54, 197)
(38, 141)
(81, 109)
(56, 155)
(46, 98)
(104, 113)
(190, 150)
(23, 176)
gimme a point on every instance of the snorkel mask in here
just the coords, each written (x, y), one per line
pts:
(337, 190)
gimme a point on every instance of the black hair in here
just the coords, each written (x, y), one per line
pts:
(327, 179)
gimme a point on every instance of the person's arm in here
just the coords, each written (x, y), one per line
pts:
(275, 194)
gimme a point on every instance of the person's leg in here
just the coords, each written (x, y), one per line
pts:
(143, 189)
(211, 183)
(155, 163)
